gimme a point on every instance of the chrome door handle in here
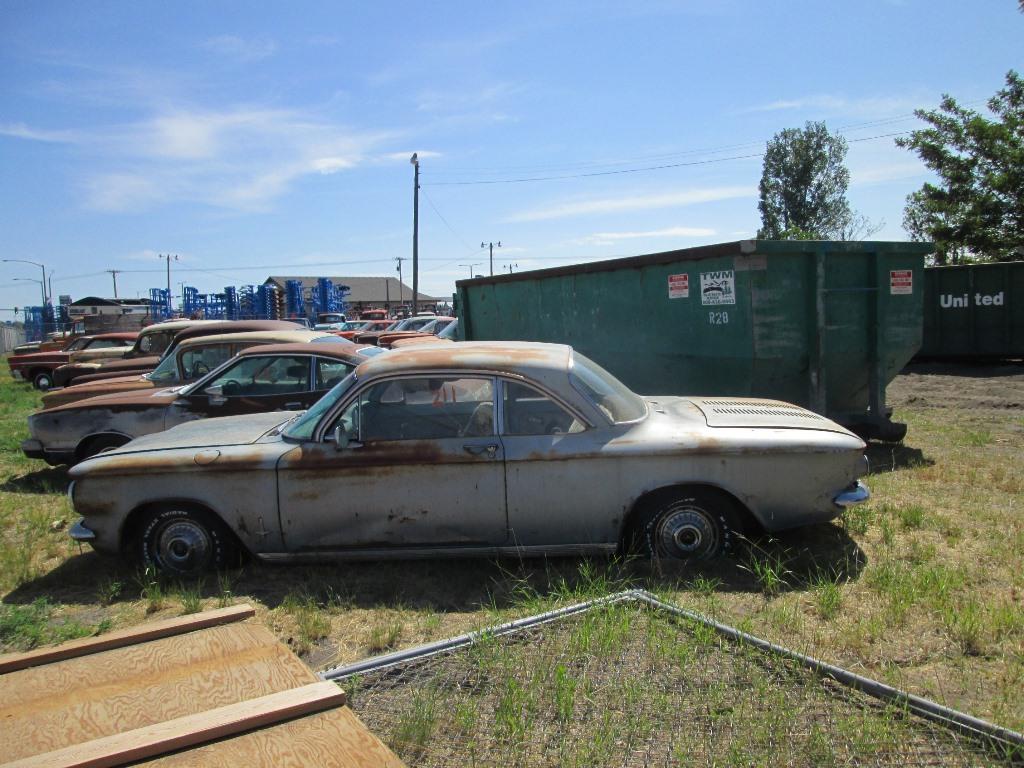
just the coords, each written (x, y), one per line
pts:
(476, 450)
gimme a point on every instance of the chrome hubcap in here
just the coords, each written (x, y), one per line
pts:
(686, 532)
(184, 546)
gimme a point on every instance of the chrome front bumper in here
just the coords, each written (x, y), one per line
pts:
(79, 532)
(855, 494)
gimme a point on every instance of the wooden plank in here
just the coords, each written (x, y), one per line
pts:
(334, 738)
(143, 633)
(46, 708)
(184, 732)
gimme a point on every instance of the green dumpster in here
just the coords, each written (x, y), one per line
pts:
(823, 324)
(974, 311)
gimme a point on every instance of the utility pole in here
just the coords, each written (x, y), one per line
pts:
(490, 246)
(401, 292)
(470, 268)
(168, 257)
(510, 265)
(113, 273)
(415, 233)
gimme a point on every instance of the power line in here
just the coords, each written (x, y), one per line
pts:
(631, 170)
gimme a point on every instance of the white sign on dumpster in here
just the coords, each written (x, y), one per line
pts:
(679, 286)
(718, 287)
(901, 281)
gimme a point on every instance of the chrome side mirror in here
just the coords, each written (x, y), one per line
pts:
(340, 438)
(215, 394)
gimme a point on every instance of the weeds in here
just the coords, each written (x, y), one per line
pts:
(24, 627)
(384, 637)
(310, 621)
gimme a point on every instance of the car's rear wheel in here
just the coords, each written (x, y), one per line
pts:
(42, 380)
(690, 525)
(184, 543)
(98, 444)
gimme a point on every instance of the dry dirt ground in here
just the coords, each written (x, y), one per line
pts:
(993, 388)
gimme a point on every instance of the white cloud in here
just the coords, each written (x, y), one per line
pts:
(22, 131)
(239, 49)
(239, 158)
(633, 203)
(881, 106)
(611, 238)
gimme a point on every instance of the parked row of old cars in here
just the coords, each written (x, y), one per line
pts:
(293, 445)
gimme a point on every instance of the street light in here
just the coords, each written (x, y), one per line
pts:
(470, 268)
(42, 285)
(34, 263)
(415, 233)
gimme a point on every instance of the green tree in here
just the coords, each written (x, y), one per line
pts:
(803, 186)
(975, 209)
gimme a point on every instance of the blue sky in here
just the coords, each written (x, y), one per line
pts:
(255, 138)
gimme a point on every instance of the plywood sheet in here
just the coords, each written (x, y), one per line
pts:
(10, 662)
(80, 699)
(332, 739)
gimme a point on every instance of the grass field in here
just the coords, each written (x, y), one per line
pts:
(922, 588)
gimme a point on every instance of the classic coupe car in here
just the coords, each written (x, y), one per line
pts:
(155, 342)
(469, 448)
(38, 367)
(184, 362)
(263, 377)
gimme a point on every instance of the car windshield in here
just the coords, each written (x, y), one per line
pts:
(302, 428)
(451, 331)
(166, 372)
(333, 339)
(611, 396)
(77, 344)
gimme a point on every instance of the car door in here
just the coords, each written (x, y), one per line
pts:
(423, 467)
(561, 490)
(256, 384)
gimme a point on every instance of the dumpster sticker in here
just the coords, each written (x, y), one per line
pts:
(718, 287)
(679, 286)
(901, 281)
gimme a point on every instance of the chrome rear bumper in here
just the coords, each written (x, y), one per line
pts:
(79, 532)
(855, 494)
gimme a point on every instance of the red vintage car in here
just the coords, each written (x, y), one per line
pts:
(38, 367)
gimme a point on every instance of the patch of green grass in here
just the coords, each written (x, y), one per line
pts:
(828, 596)
(23, 627)
(769, 567)
(384, 636)
(191, 597)
(311, 621)
(857, 519)
(911, 516)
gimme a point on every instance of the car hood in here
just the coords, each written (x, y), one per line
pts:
(204, 433)
(128, 400)
(748, 413)
(131, 363)
(78, 392)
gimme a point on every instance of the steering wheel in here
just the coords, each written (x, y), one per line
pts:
(199, 368)
(230, 388)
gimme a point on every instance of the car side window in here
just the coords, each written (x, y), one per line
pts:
(330, 372)
(422, 408)
(265, 376)
(528, 411)
(107, 343)
(199, 361)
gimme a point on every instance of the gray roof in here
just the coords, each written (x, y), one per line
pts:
(375, 290)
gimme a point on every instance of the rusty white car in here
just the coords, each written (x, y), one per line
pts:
(467, 449)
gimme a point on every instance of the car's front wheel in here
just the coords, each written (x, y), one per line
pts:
(690, 525)
(184, 542)
(43, 380)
